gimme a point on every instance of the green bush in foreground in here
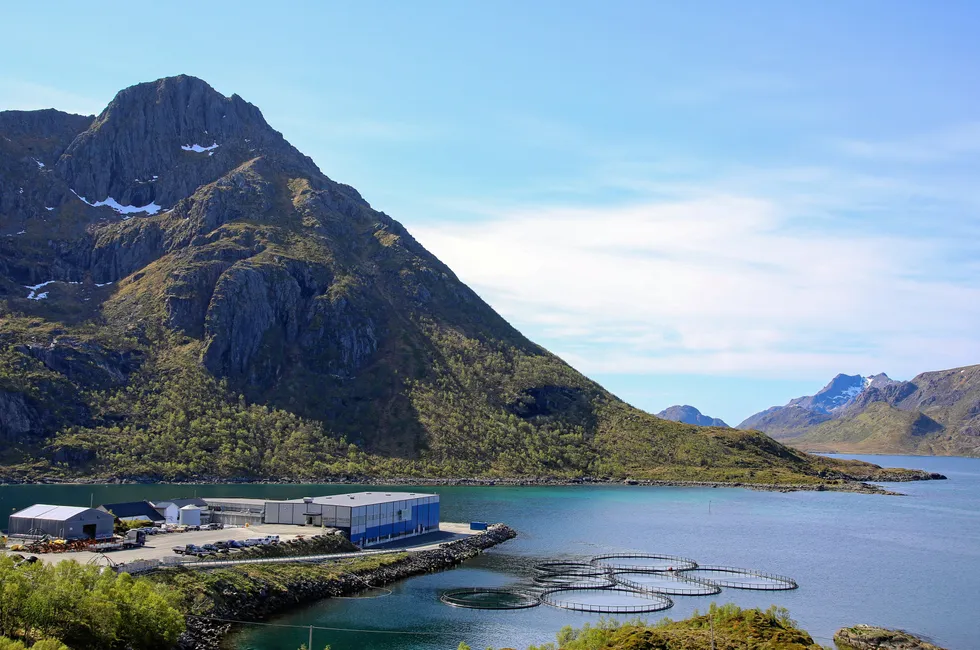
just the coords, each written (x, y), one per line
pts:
(43, 644)
(725, 627)
(84, 606)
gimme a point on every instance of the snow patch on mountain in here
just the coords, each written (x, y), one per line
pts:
(35, 294)
(199, 149)
(150, 208)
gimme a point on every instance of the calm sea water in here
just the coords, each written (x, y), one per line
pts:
(911, 562)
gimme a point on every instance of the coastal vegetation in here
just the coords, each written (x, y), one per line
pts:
(176, 421)
(724, 627)
(84, 607)
(221, 592)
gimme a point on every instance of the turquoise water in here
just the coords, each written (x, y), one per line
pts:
(911, 562)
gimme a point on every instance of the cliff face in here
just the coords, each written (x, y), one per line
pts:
(186, 294)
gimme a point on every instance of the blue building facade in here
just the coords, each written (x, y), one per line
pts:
(366, 517)
(372, 523)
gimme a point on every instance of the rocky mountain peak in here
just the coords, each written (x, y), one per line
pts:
(156, 142)
(689, 415)
(837, 394)
(878, 381)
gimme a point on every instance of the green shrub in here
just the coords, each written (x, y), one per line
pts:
(86, 607)
(49, 644)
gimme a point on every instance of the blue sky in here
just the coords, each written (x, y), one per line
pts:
(719, 203)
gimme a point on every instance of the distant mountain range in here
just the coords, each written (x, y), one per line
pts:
(690, 415)
(936, 413)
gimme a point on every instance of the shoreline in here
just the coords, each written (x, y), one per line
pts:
(867, 486)
(211, 631)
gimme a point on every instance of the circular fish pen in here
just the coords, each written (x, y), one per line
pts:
(572, 574)
(664, 583)
(570, 568)
(612, 600)
(735, 578)
(490, 599)
(556, 581)
(619, 583)
(643, 562)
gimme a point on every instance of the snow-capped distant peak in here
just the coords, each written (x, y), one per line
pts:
(851, 392)
(841, 391)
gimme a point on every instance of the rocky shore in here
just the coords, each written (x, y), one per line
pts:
(886, 475)
(868, 637)
(263, 600)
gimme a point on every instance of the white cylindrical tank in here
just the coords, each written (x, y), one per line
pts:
(190, 516)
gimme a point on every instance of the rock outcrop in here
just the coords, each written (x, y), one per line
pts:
(867, 637)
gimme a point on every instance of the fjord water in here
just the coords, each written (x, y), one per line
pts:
(911, 562)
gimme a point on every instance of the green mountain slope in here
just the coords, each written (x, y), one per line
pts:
(184, 294)
(936, 413)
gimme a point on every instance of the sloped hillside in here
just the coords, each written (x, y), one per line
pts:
(936, 413)
(184, 294)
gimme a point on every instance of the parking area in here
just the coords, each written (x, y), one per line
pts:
(161, 545)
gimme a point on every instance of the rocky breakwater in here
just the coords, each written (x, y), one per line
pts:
(255, 596)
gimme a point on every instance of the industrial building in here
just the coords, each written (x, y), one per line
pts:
(237, 512)
(169, 510)
(64, 522)
(365, 517)
(134, 511)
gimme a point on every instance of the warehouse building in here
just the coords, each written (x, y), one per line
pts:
(365, 517)
(63, 522)
(134, 511)
(169, 510)
(237, 512)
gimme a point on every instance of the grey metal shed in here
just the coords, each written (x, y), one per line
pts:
(66, 522)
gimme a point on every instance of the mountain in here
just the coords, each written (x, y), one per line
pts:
(184, 295)
(802, 413)
(690, 415)
(936, 413)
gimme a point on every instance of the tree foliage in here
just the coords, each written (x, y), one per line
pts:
(85, 606)
(725, 627)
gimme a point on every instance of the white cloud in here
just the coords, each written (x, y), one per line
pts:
(959, 141)
(721, 284)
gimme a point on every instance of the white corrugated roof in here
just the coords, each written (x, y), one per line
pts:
(44, 511)
(365, 498)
